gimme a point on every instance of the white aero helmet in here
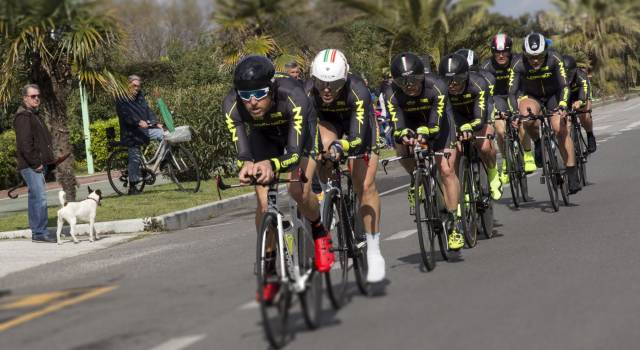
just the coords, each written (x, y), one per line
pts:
(330, 65)
(534, 44)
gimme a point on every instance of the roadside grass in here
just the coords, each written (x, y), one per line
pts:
(154, 201)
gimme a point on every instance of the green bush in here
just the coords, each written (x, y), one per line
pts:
(8, 165)
(99, 143)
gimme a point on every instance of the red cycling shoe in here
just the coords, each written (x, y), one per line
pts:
(269, 292)
(324, 257)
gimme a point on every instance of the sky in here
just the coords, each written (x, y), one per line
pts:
(518, 7)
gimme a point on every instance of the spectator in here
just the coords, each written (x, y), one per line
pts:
(138, 125)
(34, 151)
(293, 70)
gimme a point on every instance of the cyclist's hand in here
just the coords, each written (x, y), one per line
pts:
(578, 105)
(407, 137)
(336, 150)
(160, 126)
(143, 124)
(263, 172)
(246, 173)
(466, 131)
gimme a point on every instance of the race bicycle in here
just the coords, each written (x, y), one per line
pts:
(514, 156)
(579, 144)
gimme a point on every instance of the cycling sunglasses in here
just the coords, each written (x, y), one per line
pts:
(458, 79)
(534, 57)
(331, 85)
(408, 80)
(258, 94)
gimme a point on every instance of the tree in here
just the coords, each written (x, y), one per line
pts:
(56, 44)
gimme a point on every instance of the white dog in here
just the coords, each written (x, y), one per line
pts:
(85, 211)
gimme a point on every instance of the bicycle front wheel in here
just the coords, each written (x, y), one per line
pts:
(514, 179)
(485, 202)
(468, 208)
(424, 224)
(269, 271)
(311, 297)
(337, 277)
(548, 156)
(519, 168)
(118, 172)
(356, 240)
(580, 148)
(183, 169)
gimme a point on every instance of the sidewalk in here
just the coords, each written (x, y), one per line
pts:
(54, 185)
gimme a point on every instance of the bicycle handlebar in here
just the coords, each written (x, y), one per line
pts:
(384, 162)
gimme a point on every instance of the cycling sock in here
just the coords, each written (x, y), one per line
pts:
(317, 229)
(373, 243)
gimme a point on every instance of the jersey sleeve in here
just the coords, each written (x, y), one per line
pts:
(561, 80)
(514, 85)
(396, 115)
(236, 128)
(438, 106)
(300, 111)
(361, 113)
(584, 92)
(481, 103)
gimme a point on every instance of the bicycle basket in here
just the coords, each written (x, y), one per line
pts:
(179, 135)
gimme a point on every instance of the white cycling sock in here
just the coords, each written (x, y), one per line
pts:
(373, 243)
(375, 260)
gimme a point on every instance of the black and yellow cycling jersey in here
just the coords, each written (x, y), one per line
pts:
(285, 133)
(431, 108)
(473, 104)
(547, 84)
(580, 87)
(501, 74)
(350, 113)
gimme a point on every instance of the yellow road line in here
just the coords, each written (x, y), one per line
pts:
(54, 307)
(33, 300)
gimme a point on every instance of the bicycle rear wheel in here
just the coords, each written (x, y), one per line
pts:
(580, 148)
(548, 173)
(485, 203)
(514, 179)
(424, 216)
(275, 313)
(183, 169)
(519, 168)
(560, 175)
(118, 172)
(468, 203)
(311, 297)
(356, 240)
(337, 277)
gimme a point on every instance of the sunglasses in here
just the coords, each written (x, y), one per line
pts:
(409, 80)
(456, 80)
(330, 85)
(258, 94)
(535, 57)
(33, 97)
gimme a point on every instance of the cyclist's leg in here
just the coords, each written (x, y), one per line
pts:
(329, 132)
(155, 134)
(531, 127)
(587, 124)
(560, 127)
(487, 151)
(302, 193)
(500, 104)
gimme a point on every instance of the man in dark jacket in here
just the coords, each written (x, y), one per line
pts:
(138, 125)
(34, 152)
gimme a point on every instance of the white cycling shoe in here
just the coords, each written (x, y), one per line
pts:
(376, 271)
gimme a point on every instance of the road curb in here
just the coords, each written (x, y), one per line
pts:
(168, 222)
(607, 101)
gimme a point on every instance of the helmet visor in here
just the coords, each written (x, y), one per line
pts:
(258, 94)
(408, 81)
(457, 79)
(333, 86)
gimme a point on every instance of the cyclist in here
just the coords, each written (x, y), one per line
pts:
(281, 122)
(344, 108)
(537, 79)
(580, 97)
(500, 66)
(420, 112)
(470, 99)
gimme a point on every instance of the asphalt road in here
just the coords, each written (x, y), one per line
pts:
(566, 280)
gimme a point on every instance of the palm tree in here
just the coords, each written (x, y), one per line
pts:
(605, 32)
(56, 44)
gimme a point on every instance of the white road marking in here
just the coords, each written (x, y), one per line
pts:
(631, 107)
(631, 126)
(401, 235)
(603, 127)
(249, 305)
(180, 342)
(394, 189)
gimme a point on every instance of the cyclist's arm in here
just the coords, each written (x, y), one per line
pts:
(438, 107)
(361, 113)
(236, 128)
(584, 93)
(396, 116)
(480, 104)
(514, 85)
(300, 111)
(561, 80)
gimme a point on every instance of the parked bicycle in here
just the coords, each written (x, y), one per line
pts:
(285, 256)
(430, 210)
(553, 170)
(340, 212)
(514, 156)
(476, 203)
(171, 161)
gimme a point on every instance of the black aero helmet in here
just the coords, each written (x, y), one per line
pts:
(405, 64)
(253, 72)
(570, 66)
(472, 58)
(501, 42)
(534, 44)
(427, 62)
(454, 67)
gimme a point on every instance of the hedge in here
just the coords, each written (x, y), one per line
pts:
(8, 166)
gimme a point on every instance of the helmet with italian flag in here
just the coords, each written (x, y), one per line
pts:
(330, 65)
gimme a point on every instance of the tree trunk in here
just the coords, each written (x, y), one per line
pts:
(54, 90)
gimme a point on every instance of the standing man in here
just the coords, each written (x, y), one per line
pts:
(293, 70)
(34, 152)
(138, 125)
